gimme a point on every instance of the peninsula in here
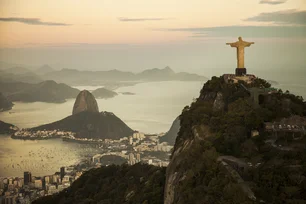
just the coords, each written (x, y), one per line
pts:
(85, 124)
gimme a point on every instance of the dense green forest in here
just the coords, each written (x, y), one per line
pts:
(140, 183)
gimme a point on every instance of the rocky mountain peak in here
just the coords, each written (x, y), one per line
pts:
(85, 101)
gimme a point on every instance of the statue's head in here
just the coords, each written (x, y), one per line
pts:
(240, 38)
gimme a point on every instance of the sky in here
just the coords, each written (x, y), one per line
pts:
(140, 34)
(39, 22)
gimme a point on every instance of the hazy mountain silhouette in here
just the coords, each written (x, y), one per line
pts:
(19, 74)
(73, 76)
(5, 103)
(45, 69)
(47, 91)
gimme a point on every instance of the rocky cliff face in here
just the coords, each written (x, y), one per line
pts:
(85, 101)
(218, 158)
(188, 144)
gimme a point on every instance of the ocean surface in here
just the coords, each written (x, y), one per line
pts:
(43, 157)
(151, 110)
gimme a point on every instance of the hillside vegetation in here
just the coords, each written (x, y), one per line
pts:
(141, 183)
(216, 159)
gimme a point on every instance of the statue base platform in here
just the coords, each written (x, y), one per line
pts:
(240, 71)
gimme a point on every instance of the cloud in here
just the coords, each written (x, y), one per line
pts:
(272, 2)
(199, 35)
(141, 19)
(293, 16)
(32, 21)
(245, 31)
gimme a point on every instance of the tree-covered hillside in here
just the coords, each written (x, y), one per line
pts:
(140, 183)
(225, 152)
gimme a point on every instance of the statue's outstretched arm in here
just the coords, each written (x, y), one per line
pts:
(248, 44)
(232, 44)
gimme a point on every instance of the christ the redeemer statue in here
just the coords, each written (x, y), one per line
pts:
(240, 45)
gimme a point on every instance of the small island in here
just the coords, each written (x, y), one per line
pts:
(127, 93)
(103, 93)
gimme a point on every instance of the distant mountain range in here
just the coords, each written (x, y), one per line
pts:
(22, 74)
(73, 76)
(47, 91)
(45, 69)
(19, 73)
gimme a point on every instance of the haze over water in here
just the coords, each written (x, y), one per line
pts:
(151, 110)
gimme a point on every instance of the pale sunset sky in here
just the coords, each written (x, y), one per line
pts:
(140, 34)
(131, 21)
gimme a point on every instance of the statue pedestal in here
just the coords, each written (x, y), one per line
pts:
(240, 71)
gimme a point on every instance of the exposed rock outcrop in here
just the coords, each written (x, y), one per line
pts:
(219, 103)
(85, 101)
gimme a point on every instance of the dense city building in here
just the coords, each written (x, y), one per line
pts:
(27, 177)
(131, 150)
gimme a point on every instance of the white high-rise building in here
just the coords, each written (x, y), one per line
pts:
(138, 157)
